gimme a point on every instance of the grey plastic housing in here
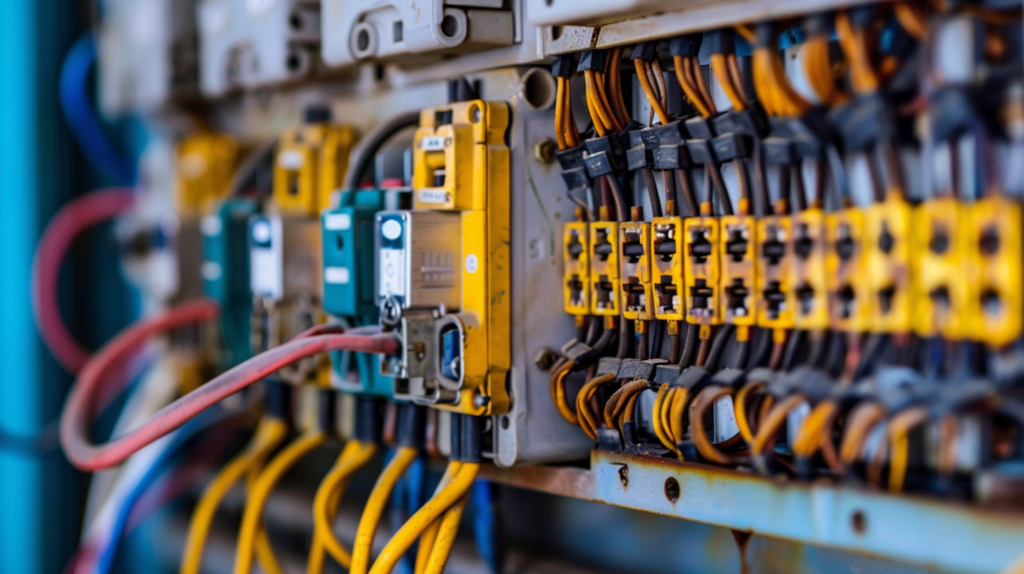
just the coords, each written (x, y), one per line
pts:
(147, 55)
(255, 43)
(412, 31)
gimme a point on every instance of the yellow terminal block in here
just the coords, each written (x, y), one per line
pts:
(996, 309)
(635, 270)
(310, 164)
(667, 275)
(774, 292)
(460, 151)
(940, 267)
(810, 290)
(702, 272)
(576, 255)
(604, 269)
(739, 269)
(849, 303)
(206, 165)
(887, 271)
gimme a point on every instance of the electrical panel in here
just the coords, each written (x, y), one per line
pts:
(691, 260)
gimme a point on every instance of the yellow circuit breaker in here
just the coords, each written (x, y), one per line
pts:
(310, 164)
(206, 166)
(774, 287)
(702, 271)
(635, 270)
(461, 164)
(810, 290)
(849, 304)
(576, 278)
(939, 236)
(996, 307)
(887, 270)
(667, 257)
(604, 268)
(739, 269)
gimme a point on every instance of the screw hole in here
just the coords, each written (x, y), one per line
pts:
(362, 40)
(859, 522)
(450, 26)
(295, 21)
(672, 489)
(505, 422)
(538, 89)
(294, 62)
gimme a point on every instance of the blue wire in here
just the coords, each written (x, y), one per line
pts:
(78, 111)
(485, 529)
(180, 437)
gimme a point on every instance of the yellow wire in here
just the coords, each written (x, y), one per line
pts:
(775, 418)
(560, 113)
(414, 527)
(267, 438)
(851, 40)
(430, 533)
(645, 85)
(899, 427)
(720, 67)
(560, 398)
(860, 422)
(688, 88)
(740, 406)
(585, 417)
(449, 528)
(354, 456)
(374, 508)
(809, 437)
(265, 483)
(657, 419)
(677, 414)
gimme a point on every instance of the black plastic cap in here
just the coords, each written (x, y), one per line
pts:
(327, 409)
(277, 397)
(817, 24)
(764, 35)
(461, 90)
(645, 51)
(721, 41)
(687, 46)
(564, 66)
(411, 425)
(369, 419)
(318, 114)
(591, 60)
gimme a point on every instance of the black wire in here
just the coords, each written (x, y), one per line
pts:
(796, 341)
(689, 345)
(362, 157)
(652, 192)
(657, 339)
(718, 347)
(246, 173)
(625, 334)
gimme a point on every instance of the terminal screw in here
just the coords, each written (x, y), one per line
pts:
(545, 359)
(545, 151)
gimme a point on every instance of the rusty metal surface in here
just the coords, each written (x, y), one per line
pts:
(913, 530)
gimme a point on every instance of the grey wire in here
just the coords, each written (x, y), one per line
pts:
(247, 170)
(362, 156)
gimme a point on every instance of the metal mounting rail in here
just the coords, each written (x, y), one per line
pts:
(667, 22)
(909, 529)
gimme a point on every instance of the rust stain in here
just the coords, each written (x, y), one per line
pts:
(742, 539)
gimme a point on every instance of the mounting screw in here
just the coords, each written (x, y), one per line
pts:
(545, 150)
(546, 359)
(480, 401)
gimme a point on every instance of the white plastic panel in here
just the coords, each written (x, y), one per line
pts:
(412, 31)
(147, 54)
(253, 43)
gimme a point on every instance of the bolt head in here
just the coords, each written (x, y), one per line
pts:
(545, 150)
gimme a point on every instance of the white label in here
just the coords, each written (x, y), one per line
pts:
(336, 275)
(392, 272)
(290, 159)
(337, 221)
(471, 263)
(211, 226)
(266, 275)
(725, 419)
(211, 270)
(391, 229)
(432, 143)
(433, 195)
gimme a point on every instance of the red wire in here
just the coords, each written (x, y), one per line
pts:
(75, 217)
(78, 412)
